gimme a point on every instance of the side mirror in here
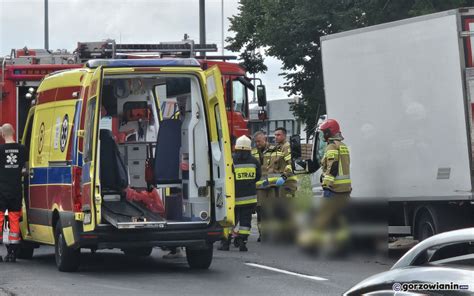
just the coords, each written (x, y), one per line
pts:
(261, 95)
(303, 162)
(298, 164)
(228, 94)
(295, 145)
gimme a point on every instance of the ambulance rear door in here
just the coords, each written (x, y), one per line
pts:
(90, 172)
(222, 172)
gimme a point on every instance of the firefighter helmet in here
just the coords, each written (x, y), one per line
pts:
(330, 128)
(243, 143)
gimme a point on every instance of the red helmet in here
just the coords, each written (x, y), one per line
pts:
(330, 128)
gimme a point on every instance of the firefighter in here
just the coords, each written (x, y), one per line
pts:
(283, 207)
(263, 153)
(288, 180)
(273, 164)
(247, 173)
(336, 183)
(12, 163)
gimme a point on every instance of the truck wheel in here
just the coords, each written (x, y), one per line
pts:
(425, 226)
(199, 259)
(25, 252)
(139, 252)
(67, 259)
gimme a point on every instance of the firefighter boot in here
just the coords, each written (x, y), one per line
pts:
(242, 241)
(225, 244)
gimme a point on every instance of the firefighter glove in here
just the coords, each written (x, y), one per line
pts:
(280, 181)
(327, 193)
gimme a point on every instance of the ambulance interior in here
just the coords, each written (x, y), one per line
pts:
(152, 134)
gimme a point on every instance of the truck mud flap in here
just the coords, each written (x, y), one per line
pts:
(125, 215)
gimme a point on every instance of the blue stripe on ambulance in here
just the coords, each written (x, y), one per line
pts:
(52, 175)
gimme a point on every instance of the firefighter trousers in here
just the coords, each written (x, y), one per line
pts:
(331, 214)
(243, 216)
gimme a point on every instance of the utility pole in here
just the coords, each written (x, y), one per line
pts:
(46, 26)
(222, 12)
(202, 24)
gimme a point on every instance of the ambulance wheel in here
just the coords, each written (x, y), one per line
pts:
(67, 259)
(199, 258)
(25, 252)
(138, 252)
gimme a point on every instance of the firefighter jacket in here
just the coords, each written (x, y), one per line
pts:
(247, 173)
(287, 172)
(335, 166)
(272, 163)
(263, 157)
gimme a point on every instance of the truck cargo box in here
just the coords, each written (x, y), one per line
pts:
(399, 93)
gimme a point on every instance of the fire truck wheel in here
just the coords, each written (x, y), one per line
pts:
(139, 252)
(200, 258)
(25, 252)
(67, 259)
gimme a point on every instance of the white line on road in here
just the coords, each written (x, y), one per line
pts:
(316, 278)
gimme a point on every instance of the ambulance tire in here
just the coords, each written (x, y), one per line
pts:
(199, 258)
(25, 252)
(138, 252)
(67, 259)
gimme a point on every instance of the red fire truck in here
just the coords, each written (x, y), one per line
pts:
(23, 70)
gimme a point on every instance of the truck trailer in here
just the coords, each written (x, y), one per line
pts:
(403, 95)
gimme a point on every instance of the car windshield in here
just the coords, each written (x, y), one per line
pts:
(453, 255)
(239, 93)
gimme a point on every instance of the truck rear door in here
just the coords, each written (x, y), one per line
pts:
(90, 175)
(222, 175)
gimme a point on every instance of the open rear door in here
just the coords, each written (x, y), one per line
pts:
(90, 173)
(223, 177)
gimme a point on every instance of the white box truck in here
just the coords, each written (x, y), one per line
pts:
(402, 93)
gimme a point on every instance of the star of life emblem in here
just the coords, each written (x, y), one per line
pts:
(12, 158)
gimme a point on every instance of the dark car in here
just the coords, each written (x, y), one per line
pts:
(440, 265)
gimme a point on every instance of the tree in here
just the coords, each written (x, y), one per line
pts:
(290, 30)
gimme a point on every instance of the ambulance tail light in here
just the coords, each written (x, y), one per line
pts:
(76, 185)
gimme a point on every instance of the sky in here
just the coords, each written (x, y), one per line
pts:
(126, 21)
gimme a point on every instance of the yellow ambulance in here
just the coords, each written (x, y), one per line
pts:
(128, 154)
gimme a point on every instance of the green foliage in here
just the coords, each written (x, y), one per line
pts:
(290, 30)
(304, 194)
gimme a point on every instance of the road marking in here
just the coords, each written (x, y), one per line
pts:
(316, 278)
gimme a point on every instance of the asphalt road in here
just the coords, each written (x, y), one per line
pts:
(264, 270)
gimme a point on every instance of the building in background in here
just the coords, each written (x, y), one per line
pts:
(279, 115)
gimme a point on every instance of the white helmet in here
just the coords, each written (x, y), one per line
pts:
(243, 143)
